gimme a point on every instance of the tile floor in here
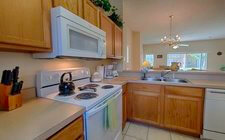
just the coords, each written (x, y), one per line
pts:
(135, 131)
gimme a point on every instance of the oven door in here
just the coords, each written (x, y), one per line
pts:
(95, 121)
(79, 41)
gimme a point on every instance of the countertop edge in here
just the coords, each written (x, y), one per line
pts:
(60, 126)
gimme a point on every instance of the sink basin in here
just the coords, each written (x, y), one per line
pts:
(166, 80)
(153, 79)
(176, 80)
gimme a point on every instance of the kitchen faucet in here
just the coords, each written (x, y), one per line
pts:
(164, 73)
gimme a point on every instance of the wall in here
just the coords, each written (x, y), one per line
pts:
(136, 51)
(209, 46)
(29, 66)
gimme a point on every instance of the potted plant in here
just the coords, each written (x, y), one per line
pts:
(104, 4)
(115, 17)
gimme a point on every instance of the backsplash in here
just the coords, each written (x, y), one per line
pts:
(30, 66)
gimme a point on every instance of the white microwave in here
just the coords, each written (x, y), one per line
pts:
(72, 36)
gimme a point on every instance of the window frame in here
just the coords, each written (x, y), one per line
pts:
(152, 64)
(186, 54)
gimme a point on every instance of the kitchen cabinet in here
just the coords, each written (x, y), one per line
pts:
(75, 6)
(124, 105)
(146, 103)
(118, 34)
(25, 25)
(173, 107)
(73, 131)
(184, 109)
(108, 26)
(91, 12)
(113, 37)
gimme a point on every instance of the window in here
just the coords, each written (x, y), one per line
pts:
(150, 58)
(189, 60)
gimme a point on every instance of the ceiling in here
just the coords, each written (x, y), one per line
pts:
(193, 19)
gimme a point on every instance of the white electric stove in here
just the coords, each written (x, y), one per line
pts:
(93, 96)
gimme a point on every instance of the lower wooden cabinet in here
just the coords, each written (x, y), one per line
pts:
(172, 107)
(73, 131)
(124, 105)
(184, 109)
(146, 103)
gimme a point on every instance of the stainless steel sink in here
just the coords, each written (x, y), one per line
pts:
(176, 80)
(153, 79)
(166, 80)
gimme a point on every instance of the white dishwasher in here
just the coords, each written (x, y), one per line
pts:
(214, 114)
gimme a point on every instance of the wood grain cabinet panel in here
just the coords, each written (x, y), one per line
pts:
(118, 42)
(108, 26)
(25, 23)
(73, 131)
(145, 101)
(75, 6)
(91, 12)
(124, 105)
(184, 109)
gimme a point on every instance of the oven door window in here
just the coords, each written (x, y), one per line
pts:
(83, 42)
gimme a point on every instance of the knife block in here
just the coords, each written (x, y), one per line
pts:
(9, 102)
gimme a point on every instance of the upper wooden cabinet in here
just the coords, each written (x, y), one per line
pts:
(91, 12)
(184, 109)
(118, 42)
(25, 25)
(113, 37)
(108, 26)
(75, 6)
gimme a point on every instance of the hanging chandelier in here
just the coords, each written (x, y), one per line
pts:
(169, 40)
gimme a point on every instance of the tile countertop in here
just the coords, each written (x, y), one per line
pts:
(193, 83)
(37, 119)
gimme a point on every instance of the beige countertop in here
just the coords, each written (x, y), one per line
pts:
(37, 119)
(192, 83)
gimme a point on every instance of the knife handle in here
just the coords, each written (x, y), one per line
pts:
(4, 74)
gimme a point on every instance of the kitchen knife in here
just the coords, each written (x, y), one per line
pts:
(15, 74)
(4, 74)
(20, 86)
(9, 77)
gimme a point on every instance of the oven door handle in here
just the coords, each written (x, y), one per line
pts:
(97, 109)
(103, 105)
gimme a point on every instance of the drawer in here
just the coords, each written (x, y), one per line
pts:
(146, 87)
(185, 91)
(71, 132)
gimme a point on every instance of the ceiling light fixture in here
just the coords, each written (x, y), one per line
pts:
(172, 41)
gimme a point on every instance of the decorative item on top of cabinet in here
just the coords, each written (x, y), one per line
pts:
(75, 6)
(25, 25)
(91, 12)
(108, 26)
(184, 109)
(73, 131)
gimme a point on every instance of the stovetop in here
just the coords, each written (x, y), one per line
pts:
(81, 96)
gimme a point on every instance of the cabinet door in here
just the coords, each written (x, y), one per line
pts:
(118, 42)
(146, 106)
(124, 106)
(22, 23)
(183, 109)
(91, 13)
(75, 6)
(107, 25)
